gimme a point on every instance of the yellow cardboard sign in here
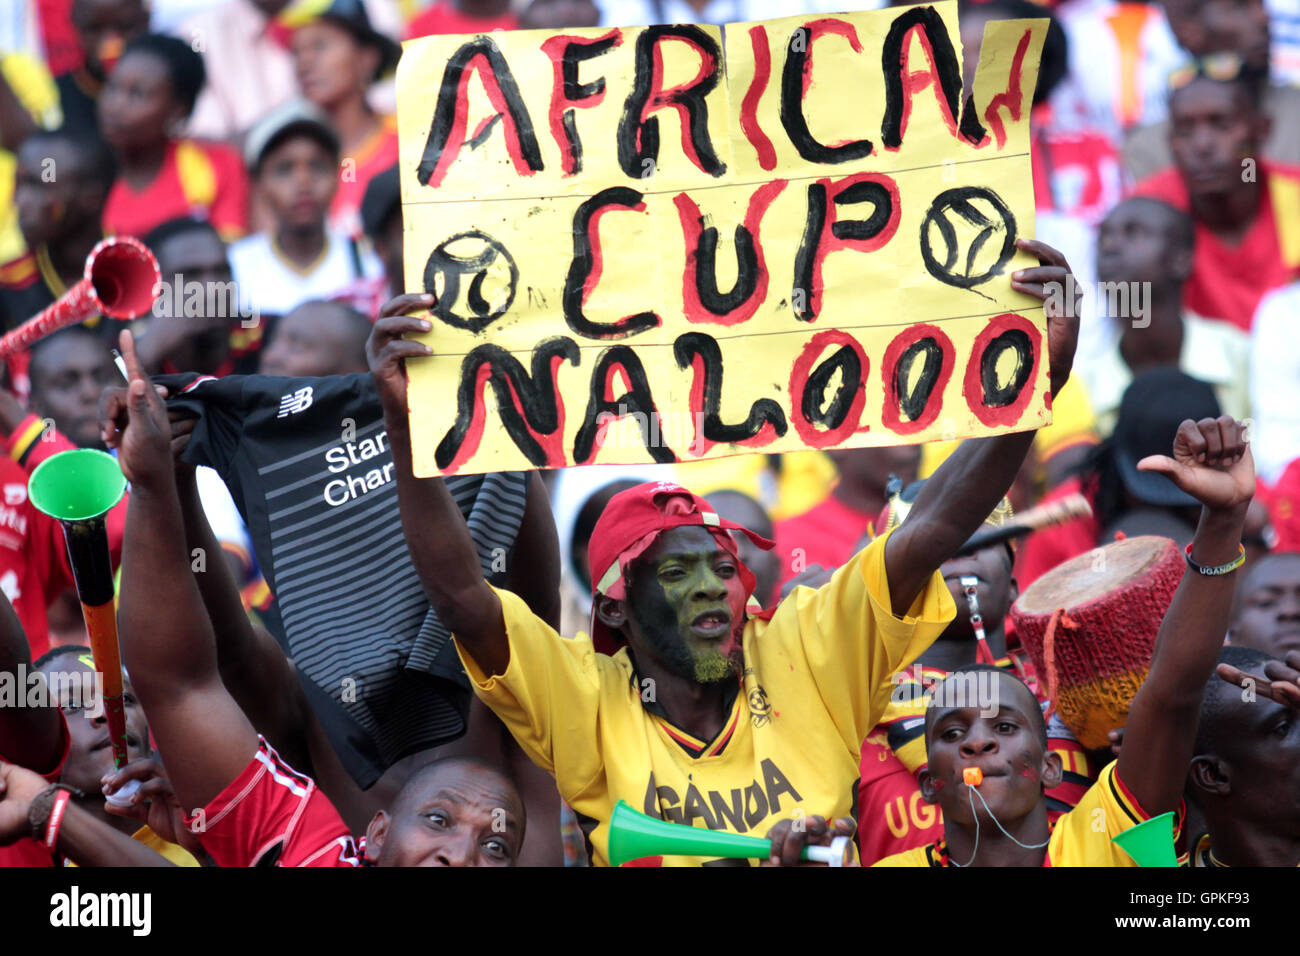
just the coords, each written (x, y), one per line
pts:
(648, 245)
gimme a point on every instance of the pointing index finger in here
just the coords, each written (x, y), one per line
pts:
(126, 342)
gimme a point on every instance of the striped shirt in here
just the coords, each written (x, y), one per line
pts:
(308, 464)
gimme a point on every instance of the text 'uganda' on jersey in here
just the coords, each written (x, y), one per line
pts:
(816, 680)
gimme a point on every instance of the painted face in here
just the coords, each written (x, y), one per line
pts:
(687, 605)
(90, 755)
(993, 727)
(453, 814)
(1268, 606)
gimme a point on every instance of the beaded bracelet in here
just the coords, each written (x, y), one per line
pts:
(1228, 568)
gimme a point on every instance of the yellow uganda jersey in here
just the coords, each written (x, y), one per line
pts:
(1079, 838)
(173, 852)
(816, 680)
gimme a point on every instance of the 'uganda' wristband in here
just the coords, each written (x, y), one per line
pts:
(1228, 568)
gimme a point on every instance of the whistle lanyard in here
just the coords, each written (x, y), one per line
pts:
(983, 654)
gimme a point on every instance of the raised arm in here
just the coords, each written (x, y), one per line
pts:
(167, 640)
(252, 665)
(966, 488)
(1212, 463)
(447, 562)
(79, 835)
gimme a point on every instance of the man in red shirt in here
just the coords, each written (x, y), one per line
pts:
(251, 808)
(1246, 210)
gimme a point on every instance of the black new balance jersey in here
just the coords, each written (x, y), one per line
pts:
(308, 464)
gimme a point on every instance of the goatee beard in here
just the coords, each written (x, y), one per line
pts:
(714, 668)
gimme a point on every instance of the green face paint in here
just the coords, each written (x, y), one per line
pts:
(688, 602)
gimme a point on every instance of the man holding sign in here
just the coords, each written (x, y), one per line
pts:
(704, 715)
(646, 245)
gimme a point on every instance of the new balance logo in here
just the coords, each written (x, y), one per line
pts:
(295, 402)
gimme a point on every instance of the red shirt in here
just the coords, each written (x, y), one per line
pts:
(34, 567)
(443, 17)
(271, 815)
(1227, 282)
(375, 156)
(1076, 173)
(1045, 549)
(205, 180)
(826, 534)
(63, 51)
(1283, 501)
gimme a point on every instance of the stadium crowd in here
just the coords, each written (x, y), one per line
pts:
(776, 645)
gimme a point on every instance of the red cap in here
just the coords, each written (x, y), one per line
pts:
(629, 525)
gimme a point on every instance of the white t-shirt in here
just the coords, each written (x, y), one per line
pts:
(1275, 381)
(1112, 72)
(222, 514)
(1284, 29)
(271, 285)
(1217, 353)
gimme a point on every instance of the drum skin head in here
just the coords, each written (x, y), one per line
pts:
(1090, 624)
(1094, 575)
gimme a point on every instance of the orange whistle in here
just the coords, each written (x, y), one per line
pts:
(972, 776)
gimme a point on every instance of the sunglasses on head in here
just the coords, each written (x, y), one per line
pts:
(1223, 67)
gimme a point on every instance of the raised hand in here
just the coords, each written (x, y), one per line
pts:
(1053, 282)
(134, 421)
(1211, 462)
(154, 803)
(1280, 683)
(18, 786)
(387, 350)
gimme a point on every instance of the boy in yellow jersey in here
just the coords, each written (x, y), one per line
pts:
(988, 758)
(705, 717)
